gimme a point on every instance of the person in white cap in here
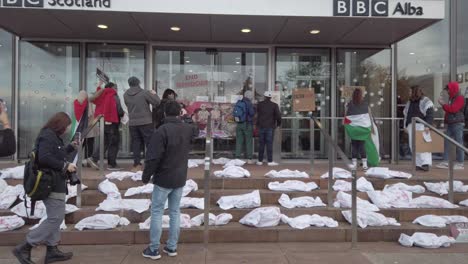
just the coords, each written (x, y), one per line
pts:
(268, 118)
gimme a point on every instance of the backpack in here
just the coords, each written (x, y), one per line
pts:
(37, 183)
(240, 112)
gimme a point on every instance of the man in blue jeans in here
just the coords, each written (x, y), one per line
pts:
(455, 122)
(166, 163)
(268, 118)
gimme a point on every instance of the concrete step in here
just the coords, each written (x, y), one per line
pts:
(233, 232)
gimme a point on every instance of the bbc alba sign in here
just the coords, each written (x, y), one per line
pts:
(57, 3)
(374, 8)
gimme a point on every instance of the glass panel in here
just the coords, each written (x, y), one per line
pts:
(118, 62)
(369, 70)
(462, 52)
(49, 82)
(6, 71)
(424, 60)
(302, 68)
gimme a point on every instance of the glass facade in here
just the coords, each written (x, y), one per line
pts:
(6, 71)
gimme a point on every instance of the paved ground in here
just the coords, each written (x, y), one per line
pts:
(274, 253)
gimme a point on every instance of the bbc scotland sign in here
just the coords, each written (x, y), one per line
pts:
(57, 3)
(374, 8)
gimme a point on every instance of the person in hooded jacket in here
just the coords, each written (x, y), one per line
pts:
(52, 159)
(455, 123)
(158, 113)
(138, 103)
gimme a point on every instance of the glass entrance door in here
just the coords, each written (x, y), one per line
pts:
(211, 81)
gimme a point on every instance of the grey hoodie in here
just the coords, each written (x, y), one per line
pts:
(138, 103)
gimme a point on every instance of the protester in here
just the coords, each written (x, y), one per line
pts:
(244, 113)
(166, 163)
(138, 103)
(268, 118)
(359, 127)
(82, 120)
(7, 135)
(51, 157)
(158, 112)
(455, 122)
(108, 104)
(422, 107)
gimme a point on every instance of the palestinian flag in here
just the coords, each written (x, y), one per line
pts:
(79, 123)
(359, 127)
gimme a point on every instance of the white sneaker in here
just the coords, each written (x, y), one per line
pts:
(459, 166)
(271, 164)
(443, 165)
(259, 163)
(250, 162)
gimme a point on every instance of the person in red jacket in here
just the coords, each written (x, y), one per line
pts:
(455, 122)
(108, 104)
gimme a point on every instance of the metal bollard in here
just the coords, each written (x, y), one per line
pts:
(354, 209)
(452, 157)
(413, 146)
(331, 164)
(312, 146)
(101, 146)
(79, 166)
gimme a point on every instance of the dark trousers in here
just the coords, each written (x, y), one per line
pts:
(357, 149)
(266, 136)
(141, 136)
(88, 147)
(111, 144)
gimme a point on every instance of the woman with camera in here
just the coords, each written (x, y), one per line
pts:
(51, 157)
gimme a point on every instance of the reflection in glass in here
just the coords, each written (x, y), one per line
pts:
(6, 70)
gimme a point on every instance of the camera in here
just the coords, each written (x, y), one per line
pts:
(73, 179)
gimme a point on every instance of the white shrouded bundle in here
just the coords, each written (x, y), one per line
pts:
(292, 186)
(112, 205)
(362, 185)
(185, 222)
(404, 187)
(9, 223)
(3, 185)
(21, 210)
(439, 221)
(9, 195)
(425, 240)
(110, 189)
(243, 201)
(262, 217)
(190, 185)
(102, 222)
(232, 172)
(13, 173)
(464, 202)
(338, 173)
(189, 202)
(216, 220)
(194, 163)
(343, 200)
(221, 161)
(386, 173)
(368, 218)
(442, 188)
(287, 174)
(391, 199)
(234, 162)
(300, 202)
(305, 221)
(431, 202)
(122, 175)
(73, 190)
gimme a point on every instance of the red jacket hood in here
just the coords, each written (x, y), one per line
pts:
(453, 89)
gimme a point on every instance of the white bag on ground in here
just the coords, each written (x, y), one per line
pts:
(71, 208)
(232, 172)
(3, 185)
(234, 162)
(122, 175)
(13, 173)
(21, 210)
(368, 218)
(72, 191)
(196, 162)
(431, 202)
(300, 202)
(292, 186)
(9, 196)
(248, 200)
(404, 187)
(112, 205)
(431, 221)
(425, 240)
(287, 174)
(343, 200)
(189, 202)
(191, 164)
(338, 173)
(389, 199)
(145, 189)
(219, 220)
(110, 189)
(185, 222)
(262, 217)
(362, 185)
(62, 225)
(9, 223)
(190, 186)
(221, 161)
(305, 221)
(442, 188)
(102, 222)
(386, 173)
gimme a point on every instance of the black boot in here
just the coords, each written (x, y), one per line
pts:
(54, 254)
(23, 253)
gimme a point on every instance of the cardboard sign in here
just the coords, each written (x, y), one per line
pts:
(303, 100)
(436, 146)
(347, 91)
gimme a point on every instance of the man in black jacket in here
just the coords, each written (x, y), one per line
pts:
(166, 162)
(269, 118)
(7, 136)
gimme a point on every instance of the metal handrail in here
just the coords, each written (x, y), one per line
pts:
(331, 162)
(206, 184)
(452, 147)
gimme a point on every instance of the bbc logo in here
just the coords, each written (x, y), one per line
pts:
(363, 8)
(23, 3)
